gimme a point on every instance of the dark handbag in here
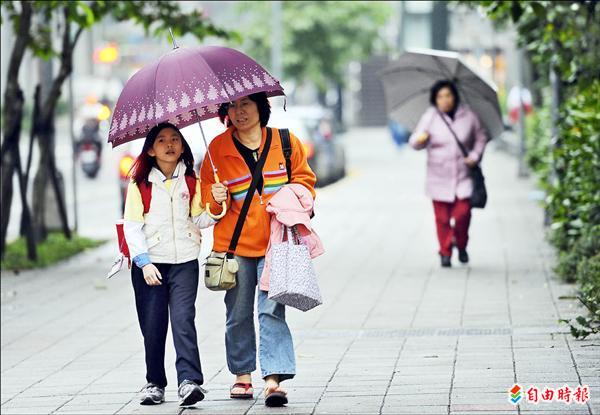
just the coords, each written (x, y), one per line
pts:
(221, 267)
(479, 196)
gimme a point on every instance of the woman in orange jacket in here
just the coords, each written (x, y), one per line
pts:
(235, 154)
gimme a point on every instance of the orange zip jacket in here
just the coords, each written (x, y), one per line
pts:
(233, 169)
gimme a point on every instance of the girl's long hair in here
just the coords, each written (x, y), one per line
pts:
(143, 164)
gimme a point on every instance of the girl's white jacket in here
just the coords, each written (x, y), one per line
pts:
(167, 234)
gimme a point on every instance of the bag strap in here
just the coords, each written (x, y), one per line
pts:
(256, 175)
(286, 145)
(462, 147)
(190, 181)
(146, 193)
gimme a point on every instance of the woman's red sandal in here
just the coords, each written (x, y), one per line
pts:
(245, 395)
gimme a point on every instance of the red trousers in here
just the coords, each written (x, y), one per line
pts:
(460, 211)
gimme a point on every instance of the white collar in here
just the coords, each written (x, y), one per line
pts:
(157, 176)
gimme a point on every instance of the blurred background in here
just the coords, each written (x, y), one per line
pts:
(62, 71)
(63, 65)
(327, 55)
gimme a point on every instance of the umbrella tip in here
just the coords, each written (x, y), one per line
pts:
(175, 46)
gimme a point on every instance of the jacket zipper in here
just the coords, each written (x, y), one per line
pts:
(173, 228)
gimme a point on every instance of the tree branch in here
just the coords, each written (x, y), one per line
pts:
(23, 38)
(66, 65)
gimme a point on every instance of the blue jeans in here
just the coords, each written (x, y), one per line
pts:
(176, 296)
(276, 352)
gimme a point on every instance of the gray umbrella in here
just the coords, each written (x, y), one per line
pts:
(407, 82)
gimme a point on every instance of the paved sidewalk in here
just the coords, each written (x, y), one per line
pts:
(396, 335)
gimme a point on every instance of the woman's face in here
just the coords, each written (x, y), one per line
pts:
(168, 146)
(445, 100)
(243, 113)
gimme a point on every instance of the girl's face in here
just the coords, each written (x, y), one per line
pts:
(243, 113)
(168, 146)
(445, 100)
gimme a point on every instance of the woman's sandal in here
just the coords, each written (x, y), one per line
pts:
(248, 391)
(276, 398)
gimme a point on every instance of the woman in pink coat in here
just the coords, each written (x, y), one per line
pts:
(448, 181)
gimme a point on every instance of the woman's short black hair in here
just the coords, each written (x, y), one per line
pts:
(262, 103)
(439, 85)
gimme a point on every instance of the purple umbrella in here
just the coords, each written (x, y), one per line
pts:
(186, 86)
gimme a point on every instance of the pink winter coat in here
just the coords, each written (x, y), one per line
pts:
(291, 205)
(447, 174)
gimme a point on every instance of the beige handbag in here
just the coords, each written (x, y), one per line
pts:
(221, 267)
(220, 272)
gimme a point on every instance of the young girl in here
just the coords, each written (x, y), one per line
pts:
(162, 229)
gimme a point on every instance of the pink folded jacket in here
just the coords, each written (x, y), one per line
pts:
(292, 205)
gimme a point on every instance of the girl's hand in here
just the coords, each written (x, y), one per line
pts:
(152, 275)
(470, 162)
(219, 192)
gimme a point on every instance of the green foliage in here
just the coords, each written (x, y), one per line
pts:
(565, 36)
(539, 143)
(574, 198)
(588, 272)
(55, 248)
(574, 204)
(320, 38)
(156, 17)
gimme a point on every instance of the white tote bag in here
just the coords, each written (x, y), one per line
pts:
(293, 281)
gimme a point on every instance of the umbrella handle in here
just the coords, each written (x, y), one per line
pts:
(224, 204)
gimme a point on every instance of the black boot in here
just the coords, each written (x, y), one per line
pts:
(463, 257)
(445, 261)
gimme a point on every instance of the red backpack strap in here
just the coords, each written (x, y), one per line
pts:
(146, 192)
(191, 185)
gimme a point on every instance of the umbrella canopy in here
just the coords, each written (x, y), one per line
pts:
(407, 82)
(186, 86)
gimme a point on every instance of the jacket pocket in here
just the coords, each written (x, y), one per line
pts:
(154, 240)
(193, 234)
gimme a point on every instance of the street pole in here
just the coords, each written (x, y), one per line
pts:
(74, 163)
(523, 171)
(276, 47)
(554, 140)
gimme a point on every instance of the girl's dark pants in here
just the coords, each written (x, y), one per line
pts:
(176, 296)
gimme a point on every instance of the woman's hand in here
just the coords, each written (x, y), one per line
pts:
(422, 138)
(219, 192)
(152, 275)
(470, 162)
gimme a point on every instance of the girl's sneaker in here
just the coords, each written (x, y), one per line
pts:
(152, 394)
(190, 393)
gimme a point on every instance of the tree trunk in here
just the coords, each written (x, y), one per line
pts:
(339, 106)
(46, 135)
(26, 215)
(47, 171)
(321, 97)
(40, 185)
(13, 114)
(11, 140)
(25, 174)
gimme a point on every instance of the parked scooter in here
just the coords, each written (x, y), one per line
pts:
(89, 148)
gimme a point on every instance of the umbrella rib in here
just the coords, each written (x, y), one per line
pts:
(409, 98)
(487, 99)
(434, 74)
(155, 72)
(441, 66)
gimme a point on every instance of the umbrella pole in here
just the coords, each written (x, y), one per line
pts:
(216, 176)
